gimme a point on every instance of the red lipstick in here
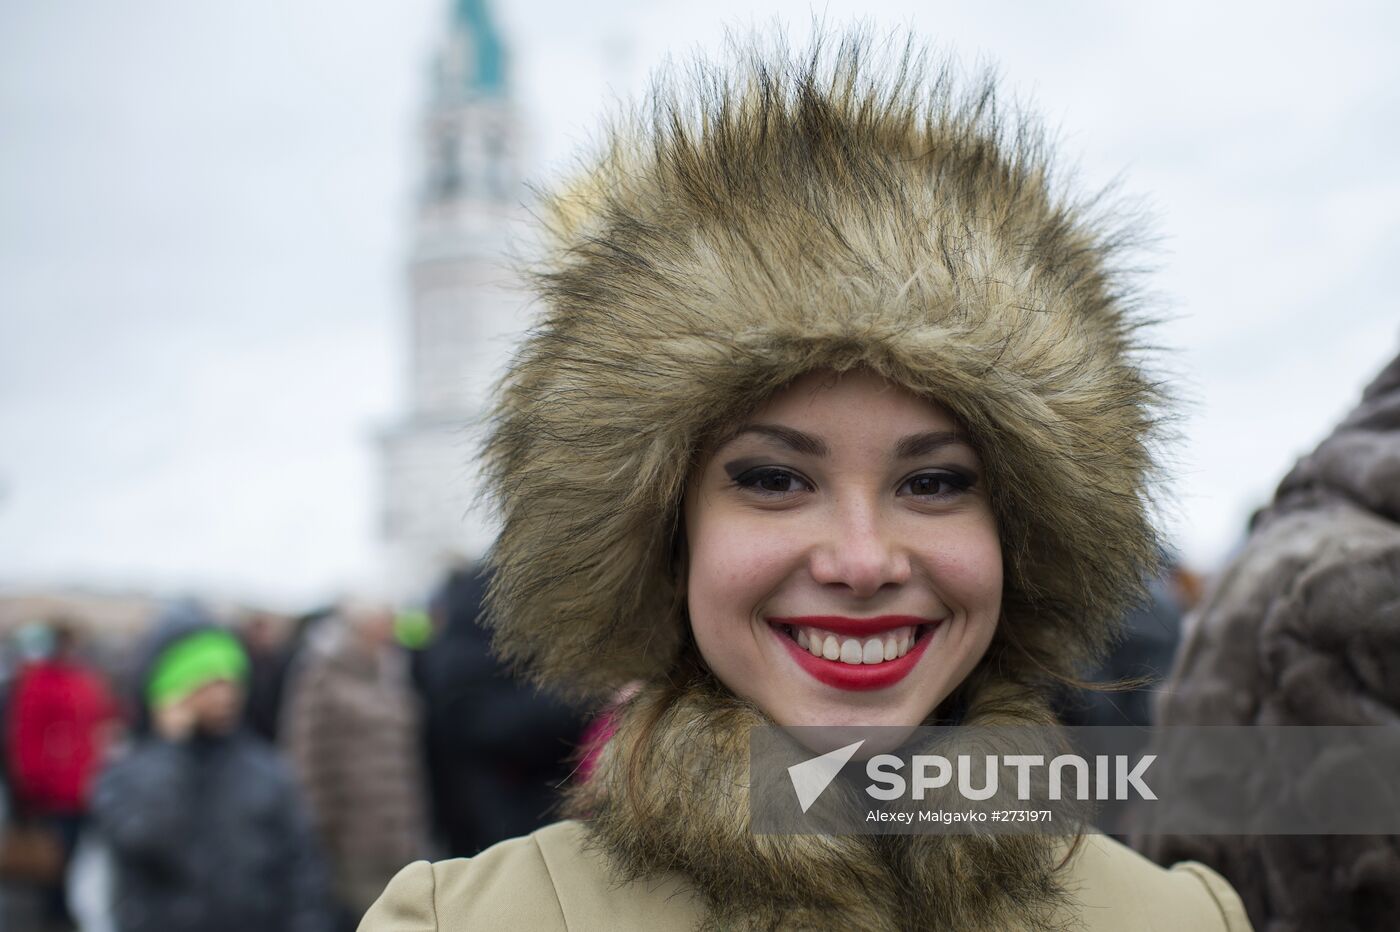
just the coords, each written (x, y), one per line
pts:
(849, 675)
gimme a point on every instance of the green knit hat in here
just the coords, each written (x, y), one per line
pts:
(193, 661)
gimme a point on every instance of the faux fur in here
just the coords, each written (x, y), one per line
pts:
(779, 213)
(670, 793)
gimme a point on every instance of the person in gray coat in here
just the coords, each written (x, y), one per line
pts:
(1303, 628)
(202, 818)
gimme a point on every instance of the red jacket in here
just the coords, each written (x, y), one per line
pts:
(57, 716)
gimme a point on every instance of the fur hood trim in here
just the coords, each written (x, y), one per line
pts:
(788, 212)
(671, 793)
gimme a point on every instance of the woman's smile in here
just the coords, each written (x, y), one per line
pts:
(855, 653)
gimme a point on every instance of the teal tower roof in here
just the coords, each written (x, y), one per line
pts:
(485, 72)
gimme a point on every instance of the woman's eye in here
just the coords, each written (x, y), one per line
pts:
(936, 485)
(770, 480)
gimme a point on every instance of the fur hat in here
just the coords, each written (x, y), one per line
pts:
(783, 213)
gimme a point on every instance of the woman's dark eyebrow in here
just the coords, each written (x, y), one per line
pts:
(927, 442)
(791, 438)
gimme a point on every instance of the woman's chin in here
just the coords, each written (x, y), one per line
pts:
(794, 710)
(821, 731)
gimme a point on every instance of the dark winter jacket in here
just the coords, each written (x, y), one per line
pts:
(1150, 636)
(1303, 628)
(207, 834)
(497, 749)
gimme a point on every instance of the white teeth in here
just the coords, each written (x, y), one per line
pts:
(879, 649)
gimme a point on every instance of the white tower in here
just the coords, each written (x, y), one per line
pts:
(465, 309)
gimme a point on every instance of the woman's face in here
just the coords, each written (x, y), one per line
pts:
(843, 561)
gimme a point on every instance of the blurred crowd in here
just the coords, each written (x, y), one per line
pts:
(261, 771)
(274, 773)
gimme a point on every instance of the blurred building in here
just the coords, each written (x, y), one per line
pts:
(464, 309)
(119, 616)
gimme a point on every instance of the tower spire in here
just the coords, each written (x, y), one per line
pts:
(474, 63)
(462, 311)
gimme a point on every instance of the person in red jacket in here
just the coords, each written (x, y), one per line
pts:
(56, 728)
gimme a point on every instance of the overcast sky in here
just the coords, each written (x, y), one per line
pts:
(204, 215)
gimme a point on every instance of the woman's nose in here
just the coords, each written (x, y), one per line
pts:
(859, 553)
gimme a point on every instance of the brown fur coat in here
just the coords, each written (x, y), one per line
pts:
(1303, 628)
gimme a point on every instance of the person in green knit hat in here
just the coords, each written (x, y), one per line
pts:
(203, 818)
(198, 683)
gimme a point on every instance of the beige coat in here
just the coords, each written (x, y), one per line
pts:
(547, 881)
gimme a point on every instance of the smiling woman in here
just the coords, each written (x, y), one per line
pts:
(835, 415)
(842, 563)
